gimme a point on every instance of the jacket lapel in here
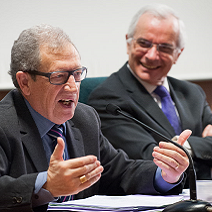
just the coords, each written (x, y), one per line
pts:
(74, 141)
(35, 150)
(32, 142)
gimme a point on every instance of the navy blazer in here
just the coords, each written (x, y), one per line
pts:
(124, 90)
(22, 156)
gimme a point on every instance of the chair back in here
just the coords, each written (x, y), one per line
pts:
(88, 85)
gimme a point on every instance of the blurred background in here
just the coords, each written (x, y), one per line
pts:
(98, 29)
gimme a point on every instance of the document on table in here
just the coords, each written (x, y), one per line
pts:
(119, 203)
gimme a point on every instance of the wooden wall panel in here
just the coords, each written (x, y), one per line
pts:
(207, 87)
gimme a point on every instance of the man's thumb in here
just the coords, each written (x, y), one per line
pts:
(59, 149)
(184, 136)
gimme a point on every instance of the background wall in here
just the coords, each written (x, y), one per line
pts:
(98, 28)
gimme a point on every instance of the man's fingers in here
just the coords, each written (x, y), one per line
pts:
(94, 172)
(207, 131)
(84, 180)
(89, 170)
(81, 161)
(183, 137)
(165, 157)
(168, 148)
(91, 178)
(86, 168)
(90, 182)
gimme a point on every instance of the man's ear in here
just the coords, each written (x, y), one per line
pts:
(128, 44)
(23, 81)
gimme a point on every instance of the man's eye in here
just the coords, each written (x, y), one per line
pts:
(165, 48)
(78, 73)
(58, 75)
(144, 43)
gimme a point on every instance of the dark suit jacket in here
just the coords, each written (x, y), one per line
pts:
(124, 90)
(22, 156)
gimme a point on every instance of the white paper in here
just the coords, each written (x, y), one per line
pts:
(116, 203)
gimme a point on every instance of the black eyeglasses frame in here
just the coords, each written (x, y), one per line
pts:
(49, 74)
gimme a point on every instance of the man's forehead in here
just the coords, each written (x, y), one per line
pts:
(167, 25)
(62, 49)
(149, 17)
(50, 56)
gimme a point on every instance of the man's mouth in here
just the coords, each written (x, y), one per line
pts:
(66, 102)
(149, 67)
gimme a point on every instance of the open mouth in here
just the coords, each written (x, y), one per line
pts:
(149, 67)
(66, 102)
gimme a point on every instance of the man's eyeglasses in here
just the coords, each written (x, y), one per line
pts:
(61, 77)
(161, 47)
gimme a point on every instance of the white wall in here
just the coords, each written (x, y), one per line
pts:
(98, 28)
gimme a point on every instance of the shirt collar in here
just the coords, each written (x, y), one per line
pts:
(150, 88)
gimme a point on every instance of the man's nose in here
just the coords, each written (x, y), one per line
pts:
(152, 53)
(72, 84)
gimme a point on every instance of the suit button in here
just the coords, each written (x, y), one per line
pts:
(17, 200)
(36, 196)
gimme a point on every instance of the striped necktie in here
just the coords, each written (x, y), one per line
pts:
(168, 108)
(55, 132)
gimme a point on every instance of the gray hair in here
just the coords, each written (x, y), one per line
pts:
(25, 53)
(162, 12)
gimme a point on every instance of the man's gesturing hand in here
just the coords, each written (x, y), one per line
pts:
(172, 160)
(64, 176)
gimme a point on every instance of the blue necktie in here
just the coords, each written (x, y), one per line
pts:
(55, 132)
(168, 108)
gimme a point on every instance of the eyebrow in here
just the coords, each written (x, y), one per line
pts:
(62, 69)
